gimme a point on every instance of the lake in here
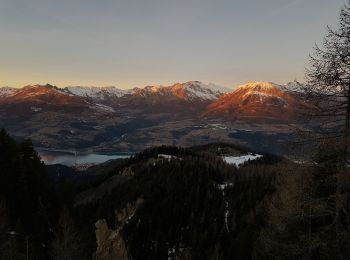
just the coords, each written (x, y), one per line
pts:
(70, 158)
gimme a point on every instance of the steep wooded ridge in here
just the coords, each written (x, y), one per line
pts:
(107, 118)
(178, 203)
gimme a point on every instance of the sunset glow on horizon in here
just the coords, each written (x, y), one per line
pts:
(159, 42)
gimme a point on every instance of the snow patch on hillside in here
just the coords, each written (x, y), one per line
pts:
(239, 160)
(36, 109)
(222, 188)
(104, 107)
(263, 96)
(169, 157)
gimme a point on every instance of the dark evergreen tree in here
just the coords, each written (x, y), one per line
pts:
(28, 195)
(66, 244)
(329, 89)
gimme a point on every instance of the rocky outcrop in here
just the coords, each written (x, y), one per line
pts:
(110, 243)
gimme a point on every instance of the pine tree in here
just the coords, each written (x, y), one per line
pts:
(4, 229)
(29, 198)
(329, 83)
(308, 218)
(329, 89)
(66, 244)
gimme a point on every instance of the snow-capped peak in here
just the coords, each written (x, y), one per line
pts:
(260, 90)
(189, 90)
(211, 86)
(294, 86)
(259, 86)
(96, 92)
(269, 87)
(197, 89)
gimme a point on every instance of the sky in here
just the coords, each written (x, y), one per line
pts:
(128, 43)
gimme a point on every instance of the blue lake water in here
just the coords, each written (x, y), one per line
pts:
(71, 159)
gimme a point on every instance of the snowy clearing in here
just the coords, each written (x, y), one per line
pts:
(239, 160)
(167, 156)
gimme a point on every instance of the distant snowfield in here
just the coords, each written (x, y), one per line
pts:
(239, 160)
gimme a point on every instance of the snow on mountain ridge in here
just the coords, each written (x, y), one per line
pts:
(96, 92)
(257, 100)
(262, 90)
(258, 85)
(205, 91)
(293, 86)
(200, 91)
(189, 90)
(31, 91)
(210, 86)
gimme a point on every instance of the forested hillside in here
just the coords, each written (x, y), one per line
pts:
(188, 204)
(168, 203)
(30, 206)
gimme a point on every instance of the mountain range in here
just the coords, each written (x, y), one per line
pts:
(108, 118)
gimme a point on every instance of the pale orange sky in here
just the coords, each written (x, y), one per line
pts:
(137, 43)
